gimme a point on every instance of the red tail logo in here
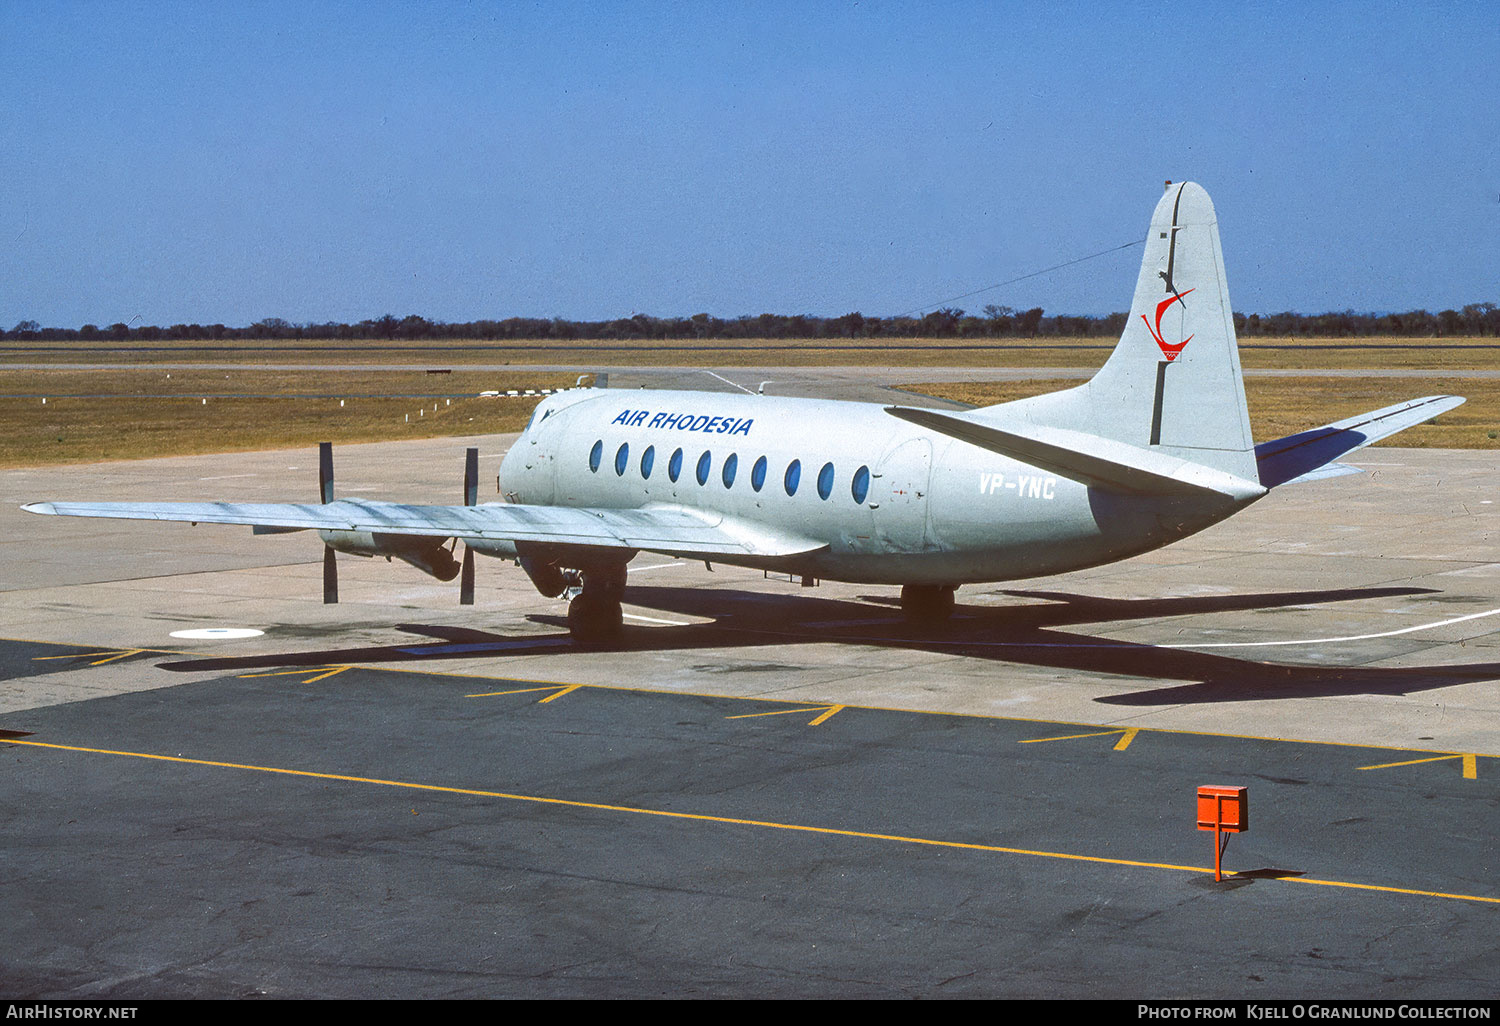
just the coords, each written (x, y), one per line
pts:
(1169, 351)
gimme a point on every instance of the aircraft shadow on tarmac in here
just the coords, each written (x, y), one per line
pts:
(1018, 634)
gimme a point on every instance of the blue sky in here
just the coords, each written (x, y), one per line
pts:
(328, 161)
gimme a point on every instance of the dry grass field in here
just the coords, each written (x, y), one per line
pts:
(94, 415)
(148, 399)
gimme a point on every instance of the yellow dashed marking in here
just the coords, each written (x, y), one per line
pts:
(110, 654)
(565, 691)
(825, 716)
(518, 691)
(736, 821)
(825, 711)
(1470, 764)
(1124, 741)
(558, 691)
(1127, 735)
(327, 671)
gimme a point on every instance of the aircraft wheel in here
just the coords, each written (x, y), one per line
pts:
(927, 603)
(593, 619)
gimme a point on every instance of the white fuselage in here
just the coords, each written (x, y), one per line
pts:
(894, 503)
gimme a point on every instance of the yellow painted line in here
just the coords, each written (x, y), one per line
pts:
(330, 671)
(430, 672)
(1410, 762)
(1470, 764)
(325, 676)
(280, 673)
(824, 710)
(732, 820)
(111, 654)
(825, 716)
(1067, 737)
(519, 691)
(565, 691)
(426, 671)
(1127, 735)
(1390, 890)
(778, 712)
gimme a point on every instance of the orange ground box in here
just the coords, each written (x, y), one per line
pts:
(1224, 808)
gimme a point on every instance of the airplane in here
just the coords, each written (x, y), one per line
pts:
(1154, 447)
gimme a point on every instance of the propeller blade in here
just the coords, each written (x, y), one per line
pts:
(471, 497)
(330, 576)
(325, 494)
(466, 580)
(325, 471)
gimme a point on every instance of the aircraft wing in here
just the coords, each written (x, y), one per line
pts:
(670, 530)
(1308, 455)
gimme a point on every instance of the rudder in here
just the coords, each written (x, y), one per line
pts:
(1173, 382)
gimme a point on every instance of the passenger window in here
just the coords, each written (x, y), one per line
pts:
(793, 476)
(825, 481)
(758, 474)
(648, 460)
(622, 459)
(704, 462)
(595, 455)
(674, 466)
(860, 487)
(730, 466)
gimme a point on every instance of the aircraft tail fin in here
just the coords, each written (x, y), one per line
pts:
(1172, 384)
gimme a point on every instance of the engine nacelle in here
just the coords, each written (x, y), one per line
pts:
(549, 578)
(426, 554)
(499, 547)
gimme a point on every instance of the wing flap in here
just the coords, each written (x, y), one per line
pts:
(671, 530)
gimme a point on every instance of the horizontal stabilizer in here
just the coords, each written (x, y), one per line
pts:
(1300, 457)
(1088, 459)
(1325, 471)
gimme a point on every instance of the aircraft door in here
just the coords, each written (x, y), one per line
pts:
(898, 497)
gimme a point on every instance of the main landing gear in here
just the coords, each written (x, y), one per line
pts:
(594, 614)
(927, 604)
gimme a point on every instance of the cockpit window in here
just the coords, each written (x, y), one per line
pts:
(537, 416)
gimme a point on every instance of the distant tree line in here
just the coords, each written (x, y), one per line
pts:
(1482, 319)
